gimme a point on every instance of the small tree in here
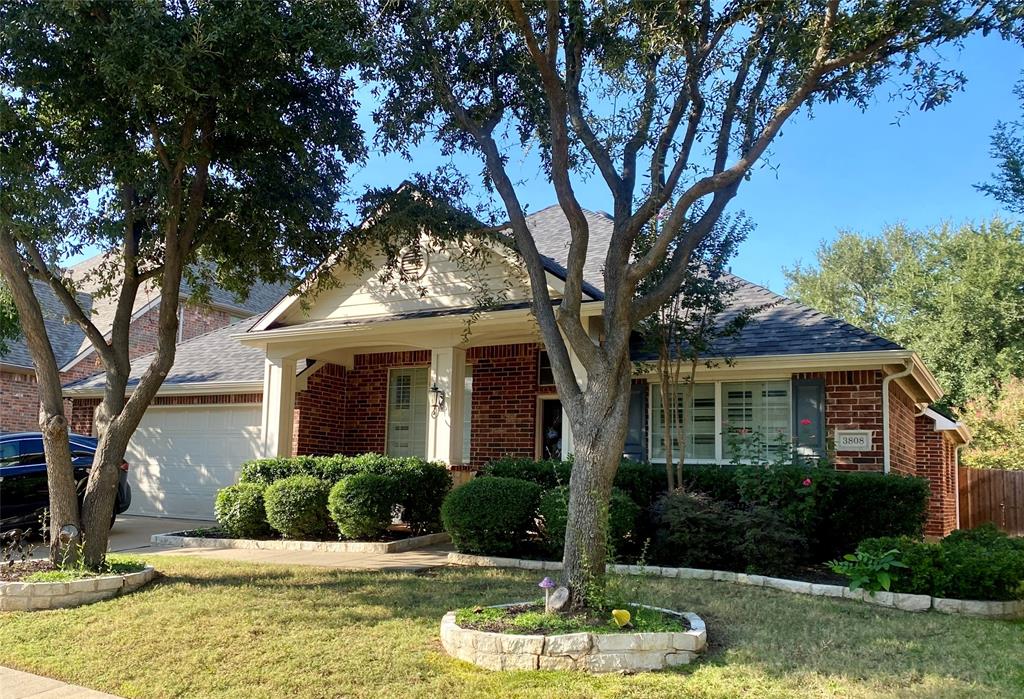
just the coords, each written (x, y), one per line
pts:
(671, 105)
(693, 326)
(997, 429)
(163, 134)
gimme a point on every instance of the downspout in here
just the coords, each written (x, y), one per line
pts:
(956, 481)
(886, 457)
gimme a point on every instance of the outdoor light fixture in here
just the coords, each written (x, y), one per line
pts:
(436, 399)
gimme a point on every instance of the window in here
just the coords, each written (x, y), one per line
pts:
(698, 421)
(756, 414)
(545, 375)
(467, 416)
(407, 413)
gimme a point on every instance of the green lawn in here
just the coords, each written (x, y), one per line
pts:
(211, 629)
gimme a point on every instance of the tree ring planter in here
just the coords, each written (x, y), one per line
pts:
(413, 542)
(28, 596)
(586, 651)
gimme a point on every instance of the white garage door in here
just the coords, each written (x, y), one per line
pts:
(180, 457)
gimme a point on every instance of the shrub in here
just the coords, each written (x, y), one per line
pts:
(765, 543)
(553, 510)
(240, 511)
(297, 507)
(362, 505)
(719, 482)
(871, 571)
(982, 563)
(692, 530)
(546, 474)
(490, 515)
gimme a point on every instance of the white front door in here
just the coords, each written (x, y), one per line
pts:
(407, 412)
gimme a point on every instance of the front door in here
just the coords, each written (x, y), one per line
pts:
(549, 429)
(407, 412)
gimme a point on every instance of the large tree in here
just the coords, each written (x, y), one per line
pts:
(954, 295)
(183, 138)
(671, 105)
(1007, 147)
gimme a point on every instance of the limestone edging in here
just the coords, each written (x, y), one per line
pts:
(1013, 609)
(28, 596)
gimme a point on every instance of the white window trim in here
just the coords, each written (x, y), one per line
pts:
(387, 406)
(719, 445)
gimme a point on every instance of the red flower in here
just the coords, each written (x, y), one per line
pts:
(805, 422)
(807, 481)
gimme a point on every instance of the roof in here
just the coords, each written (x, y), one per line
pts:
(215, 357)
(65, 337)
(261, 297)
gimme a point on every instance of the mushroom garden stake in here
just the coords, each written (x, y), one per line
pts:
(547, 584)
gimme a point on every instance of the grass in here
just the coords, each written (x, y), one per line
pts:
(220, 629)
(116, 565)
(532, 619)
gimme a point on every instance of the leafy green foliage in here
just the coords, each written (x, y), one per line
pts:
(362, 505)
(553, 512)
(870, 571)
(997, 429)
(297, 507)
(954, 295)
(240, 511)
(982, 563)
(490, 515)
(532, 620)
(1007, 185)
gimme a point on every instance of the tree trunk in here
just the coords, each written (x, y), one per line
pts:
(599, 436)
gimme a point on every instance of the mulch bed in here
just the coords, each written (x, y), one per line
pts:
(22, 569)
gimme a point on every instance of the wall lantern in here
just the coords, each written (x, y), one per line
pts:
(436, 399)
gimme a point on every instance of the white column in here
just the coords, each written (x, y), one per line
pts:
(278, 406)
(444, 427)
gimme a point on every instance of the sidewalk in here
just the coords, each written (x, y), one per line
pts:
(15, 684)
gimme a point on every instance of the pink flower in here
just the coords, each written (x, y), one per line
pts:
(807, 481)
(805, 422)
(743, 430)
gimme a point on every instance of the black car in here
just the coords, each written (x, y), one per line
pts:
(24, 494)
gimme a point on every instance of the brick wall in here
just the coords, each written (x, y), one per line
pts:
(936, 460)
(197, 321)
(365, 423)
(505, 390)
(19, 402)
(853, 401)
(82, 409)
(902, 432)
(320, 412)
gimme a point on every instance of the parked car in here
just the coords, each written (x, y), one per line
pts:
(24, 493)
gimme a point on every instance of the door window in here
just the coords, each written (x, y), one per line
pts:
(407, 413)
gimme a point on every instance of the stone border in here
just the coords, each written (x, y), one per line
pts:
(412, 543)
(909, 603)
(27, 596)
(590, 652)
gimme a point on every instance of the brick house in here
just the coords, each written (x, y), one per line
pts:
(19, 397)
(369, 365)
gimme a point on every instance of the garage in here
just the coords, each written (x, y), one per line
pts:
(180, 456)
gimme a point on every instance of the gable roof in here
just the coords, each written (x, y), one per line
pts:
(65, 337)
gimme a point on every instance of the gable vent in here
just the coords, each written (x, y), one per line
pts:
(413, 263)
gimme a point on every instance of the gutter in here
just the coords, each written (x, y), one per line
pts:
(886, 456)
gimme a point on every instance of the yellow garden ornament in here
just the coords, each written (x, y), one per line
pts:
(621, 617)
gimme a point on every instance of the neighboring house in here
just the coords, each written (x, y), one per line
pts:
(371, 366)
(76, 358)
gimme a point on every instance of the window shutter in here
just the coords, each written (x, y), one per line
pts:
(636, 443)
(809, 416)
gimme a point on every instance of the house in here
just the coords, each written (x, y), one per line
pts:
(416, 368)
(76, 358)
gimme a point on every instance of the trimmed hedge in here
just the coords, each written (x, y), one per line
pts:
(553, 510)
(297, 507)
(240, 511)
(490, 515)
(981, 564)
(362, 505)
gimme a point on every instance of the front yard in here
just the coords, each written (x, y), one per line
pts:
(213, 629)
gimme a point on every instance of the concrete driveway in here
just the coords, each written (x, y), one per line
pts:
(132, 532)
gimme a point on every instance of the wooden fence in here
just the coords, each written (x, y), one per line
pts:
(992, 495)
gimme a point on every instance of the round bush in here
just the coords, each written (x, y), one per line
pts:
(554, 512)
(490, 515)
(362, 505)
(240, 511)
(297, 507)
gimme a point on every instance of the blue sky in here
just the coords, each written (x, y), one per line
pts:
(842, 170)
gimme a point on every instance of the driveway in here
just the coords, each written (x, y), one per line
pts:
(132, 532)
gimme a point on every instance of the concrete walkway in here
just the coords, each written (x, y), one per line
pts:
(15, 684)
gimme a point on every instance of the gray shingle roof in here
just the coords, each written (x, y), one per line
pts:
(65, 337)
(215, 357)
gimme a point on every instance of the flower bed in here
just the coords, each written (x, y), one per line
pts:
(26, 596)
(212, 538)
(601, 648)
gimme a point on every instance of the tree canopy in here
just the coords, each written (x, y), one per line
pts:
(955, 295)
(1007, 148)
